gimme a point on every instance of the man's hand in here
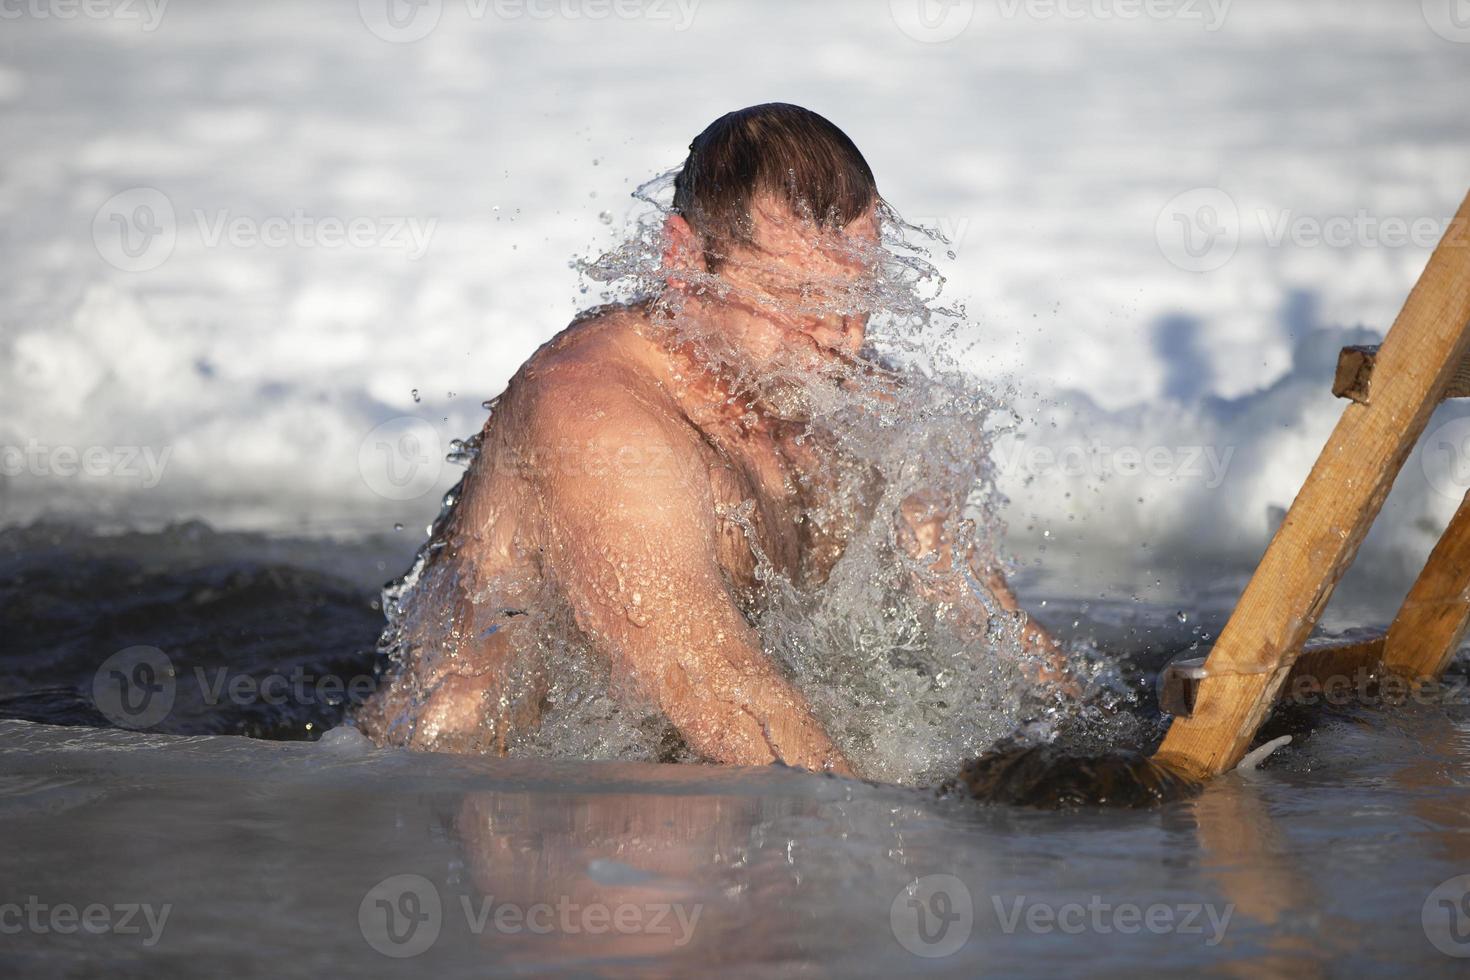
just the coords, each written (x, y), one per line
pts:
(924, 534)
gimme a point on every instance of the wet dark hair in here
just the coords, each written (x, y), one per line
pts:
(784, 150)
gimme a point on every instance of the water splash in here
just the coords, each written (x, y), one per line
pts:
(910, 660)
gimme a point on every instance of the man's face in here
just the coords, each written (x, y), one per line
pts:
(811, 281)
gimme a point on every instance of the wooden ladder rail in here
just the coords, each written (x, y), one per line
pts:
(1409, 375)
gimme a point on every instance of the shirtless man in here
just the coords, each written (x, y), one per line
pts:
(639, 547)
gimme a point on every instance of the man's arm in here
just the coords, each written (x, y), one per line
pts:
(632, 541)
(924, 533)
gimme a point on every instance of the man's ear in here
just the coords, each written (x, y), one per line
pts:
(684, 252)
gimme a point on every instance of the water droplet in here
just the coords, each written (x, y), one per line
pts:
(415, 394)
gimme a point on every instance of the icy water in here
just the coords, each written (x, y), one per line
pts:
(261, 856)
(266, 853)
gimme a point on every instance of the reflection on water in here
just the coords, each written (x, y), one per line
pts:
(287, 858)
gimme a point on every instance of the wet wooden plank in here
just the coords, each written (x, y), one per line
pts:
(1430, 624)
(1330, 516)
(1321, 663)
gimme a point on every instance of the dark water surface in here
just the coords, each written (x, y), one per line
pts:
(276, 855)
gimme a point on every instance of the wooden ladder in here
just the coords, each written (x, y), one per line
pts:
(1220, 704)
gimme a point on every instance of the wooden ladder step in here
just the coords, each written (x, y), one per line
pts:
(1354, 378)
(1322, 664)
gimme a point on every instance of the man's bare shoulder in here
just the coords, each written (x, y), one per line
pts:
(597, 389)
(606, 339)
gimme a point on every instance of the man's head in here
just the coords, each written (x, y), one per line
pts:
(774, 198)
(784, 152)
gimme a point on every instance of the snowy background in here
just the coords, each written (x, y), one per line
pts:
(260, 262)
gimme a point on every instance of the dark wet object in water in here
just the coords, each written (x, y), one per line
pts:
(1052, 777)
